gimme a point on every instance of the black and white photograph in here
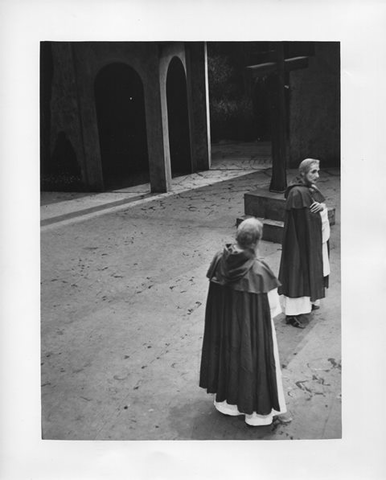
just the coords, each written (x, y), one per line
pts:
(192, 241)
(154, 156)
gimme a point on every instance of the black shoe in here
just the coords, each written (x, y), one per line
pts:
(294, 321)
(315, 307)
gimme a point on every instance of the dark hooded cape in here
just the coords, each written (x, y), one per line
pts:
(301, 265)
(237, 362)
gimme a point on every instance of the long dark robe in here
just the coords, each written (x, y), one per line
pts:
(237, 362)
(301, 265)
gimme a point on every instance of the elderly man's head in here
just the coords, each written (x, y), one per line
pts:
(249, 232)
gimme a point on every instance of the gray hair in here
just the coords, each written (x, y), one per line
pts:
(249, 232)
(306, 165)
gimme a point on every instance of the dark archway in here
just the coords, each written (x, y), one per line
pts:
(122, 126)
(178, 119)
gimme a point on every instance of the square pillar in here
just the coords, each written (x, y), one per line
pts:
(157, 131)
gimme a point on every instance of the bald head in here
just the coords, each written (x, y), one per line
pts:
(249, 232)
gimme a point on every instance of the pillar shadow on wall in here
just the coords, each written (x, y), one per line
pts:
(122, 126)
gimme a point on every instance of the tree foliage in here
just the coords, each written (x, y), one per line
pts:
(231, 106)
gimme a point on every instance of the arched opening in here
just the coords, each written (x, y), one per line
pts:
(178, 119)
(122, 126)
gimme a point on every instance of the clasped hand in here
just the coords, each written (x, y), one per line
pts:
(316, 207)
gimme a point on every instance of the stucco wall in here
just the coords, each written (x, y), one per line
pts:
(73, 108)
(315, 108)
(64, 111)
(90, 58)
(144, 58)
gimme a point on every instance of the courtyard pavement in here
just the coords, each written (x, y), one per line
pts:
(123, 291)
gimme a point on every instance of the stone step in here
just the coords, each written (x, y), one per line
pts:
(262, 203)
(273, 229)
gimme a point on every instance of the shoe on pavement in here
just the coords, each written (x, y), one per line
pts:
(283, 418)
(294, 321)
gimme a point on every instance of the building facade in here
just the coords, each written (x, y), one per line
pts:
(114, 114)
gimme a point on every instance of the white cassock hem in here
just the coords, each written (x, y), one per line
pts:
(296, 306)
(254, 419)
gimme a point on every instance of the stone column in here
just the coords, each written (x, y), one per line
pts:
(157, 129)
(198, 104)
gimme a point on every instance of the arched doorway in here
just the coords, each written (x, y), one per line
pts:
(120, 108)
(178, 119)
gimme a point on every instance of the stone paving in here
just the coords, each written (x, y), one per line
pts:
(228, 161)
(123, 298)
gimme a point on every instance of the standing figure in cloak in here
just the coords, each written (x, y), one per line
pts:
(304, 266)
(240, 359)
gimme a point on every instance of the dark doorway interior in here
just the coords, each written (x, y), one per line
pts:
(178, 119)
(122, 126)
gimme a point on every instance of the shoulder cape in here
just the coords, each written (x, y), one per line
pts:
(259, 278)
(299, 195)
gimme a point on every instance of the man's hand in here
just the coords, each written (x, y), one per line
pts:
(317, 207)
